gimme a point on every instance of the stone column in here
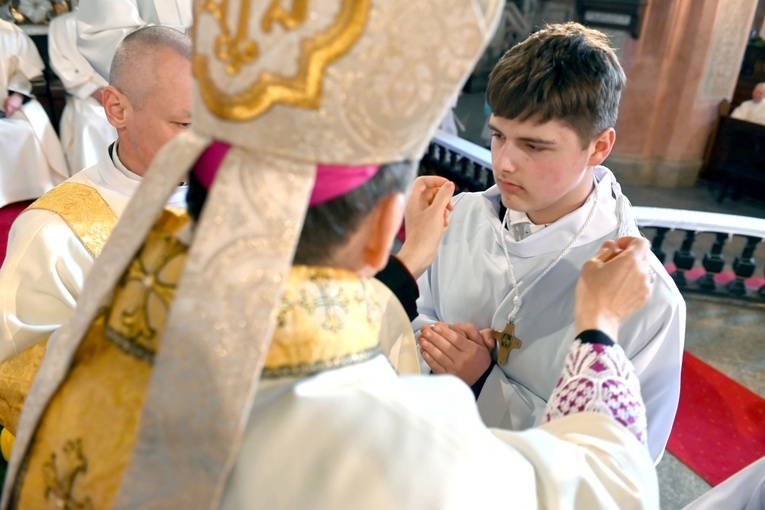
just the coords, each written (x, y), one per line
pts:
(685, 62)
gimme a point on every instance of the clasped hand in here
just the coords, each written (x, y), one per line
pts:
(459, 349)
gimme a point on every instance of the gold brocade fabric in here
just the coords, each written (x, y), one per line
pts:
(16, 377)
(84, 211)
(91, 219)
(88, 431)
(328, 318)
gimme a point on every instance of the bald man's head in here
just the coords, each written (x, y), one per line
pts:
(136, 68)
(148, 99)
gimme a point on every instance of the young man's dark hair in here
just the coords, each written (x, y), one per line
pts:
(563, 72)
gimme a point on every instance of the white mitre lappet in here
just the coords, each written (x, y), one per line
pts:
(288, 85)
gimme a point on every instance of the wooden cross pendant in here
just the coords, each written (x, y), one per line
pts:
(507, 341)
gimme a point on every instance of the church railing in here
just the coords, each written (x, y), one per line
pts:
(461, 161)
(709, 253)
(717, 254)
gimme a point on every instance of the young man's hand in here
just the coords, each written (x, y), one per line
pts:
(459, 349)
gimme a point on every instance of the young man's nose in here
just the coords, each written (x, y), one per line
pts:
(506, 159)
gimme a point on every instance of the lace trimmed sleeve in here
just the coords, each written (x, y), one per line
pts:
(599, 378)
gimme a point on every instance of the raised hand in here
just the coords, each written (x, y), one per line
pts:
(426, 218)
(613, 285)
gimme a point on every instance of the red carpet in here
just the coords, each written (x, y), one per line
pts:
(720, 425)
(7, 215)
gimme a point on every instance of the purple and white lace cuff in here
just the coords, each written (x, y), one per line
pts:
(599, 378)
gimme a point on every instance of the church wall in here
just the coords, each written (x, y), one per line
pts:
(685, 62)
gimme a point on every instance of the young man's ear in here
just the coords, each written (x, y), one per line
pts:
(382, 225)
(601, 146)
(116, 106)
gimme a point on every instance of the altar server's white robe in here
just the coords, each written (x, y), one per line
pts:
(85, 132)
(416, 442)
(31, 159)
(46, 263)
(101, 26)
(743, 491)
(469, 282)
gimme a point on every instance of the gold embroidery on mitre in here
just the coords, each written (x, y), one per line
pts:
(304, 88)
(84, 210)
(234, 50)
(288, 20)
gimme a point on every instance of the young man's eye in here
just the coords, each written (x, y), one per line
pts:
(535, 148)
(494, 134)
(183, 125)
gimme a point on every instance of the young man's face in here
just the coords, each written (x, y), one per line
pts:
(541, 169)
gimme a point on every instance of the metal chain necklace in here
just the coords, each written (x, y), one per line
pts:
(506, 339)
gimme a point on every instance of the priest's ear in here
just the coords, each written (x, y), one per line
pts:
(116, 106)
(378, 231)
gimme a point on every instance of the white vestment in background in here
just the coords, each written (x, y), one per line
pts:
(750, 112)
(469, 282)
(31, 159)
(46, 263)
(84, 131)
(102, 25)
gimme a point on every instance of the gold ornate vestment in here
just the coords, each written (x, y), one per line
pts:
(379, 77)
(106, 385)
(84, 210)
(88, 215)
(328, 318)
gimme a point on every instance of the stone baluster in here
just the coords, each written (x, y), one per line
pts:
(432, 152)
(713, 263)
(487, 176)
(658, 241)
(454, 161)
(684, 259)
(743, 267)
(467, 168)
